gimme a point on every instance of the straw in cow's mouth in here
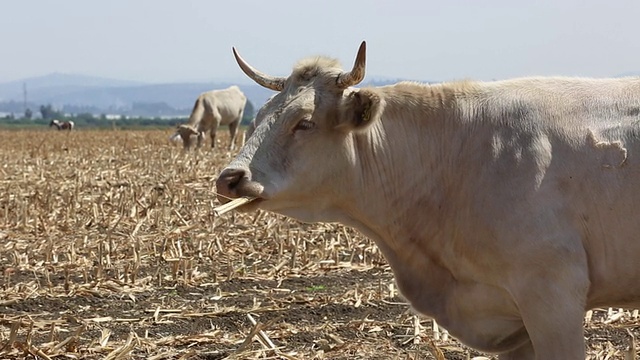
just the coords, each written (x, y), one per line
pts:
(219, 210)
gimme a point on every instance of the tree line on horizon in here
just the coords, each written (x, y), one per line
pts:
(90, 120)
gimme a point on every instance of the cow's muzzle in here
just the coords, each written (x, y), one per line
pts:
(234, 183)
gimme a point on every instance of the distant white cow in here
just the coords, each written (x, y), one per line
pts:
(212, 109)
(62, 125)
(505, 209)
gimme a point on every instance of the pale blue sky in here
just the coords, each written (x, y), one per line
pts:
(191, 40)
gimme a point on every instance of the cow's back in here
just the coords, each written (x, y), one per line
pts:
(228, 103)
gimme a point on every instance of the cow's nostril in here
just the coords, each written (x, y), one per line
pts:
(235, 180)
(228, 181)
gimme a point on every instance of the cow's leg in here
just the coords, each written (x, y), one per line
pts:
(213, 137)
(551, 297)
(233, 129)
(214, 124)
(199, 139)
(524, 352)
(555, 329)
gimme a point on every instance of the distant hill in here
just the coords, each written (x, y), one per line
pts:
(80, 93)
(178, 96)
(629, 74)
(61, 79)
(112, 96)
(13, 89)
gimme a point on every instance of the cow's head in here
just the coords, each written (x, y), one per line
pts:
(189, 135)
(302, 152)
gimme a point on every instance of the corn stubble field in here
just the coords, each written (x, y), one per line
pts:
(109, 249)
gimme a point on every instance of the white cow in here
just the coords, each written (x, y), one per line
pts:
(505, 209)
(212, 109)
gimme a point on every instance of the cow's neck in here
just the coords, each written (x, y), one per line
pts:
(411, 165)
(408, 164)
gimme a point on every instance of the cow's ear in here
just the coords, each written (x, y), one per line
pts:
(359, 109)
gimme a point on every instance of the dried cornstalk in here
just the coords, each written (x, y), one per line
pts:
(232, 205)
(630, 354)
(124, 350)
(263, 335)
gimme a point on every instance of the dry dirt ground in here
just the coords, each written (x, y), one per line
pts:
(109, 249)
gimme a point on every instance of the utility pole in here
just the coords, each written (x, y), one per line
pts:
(24, 92)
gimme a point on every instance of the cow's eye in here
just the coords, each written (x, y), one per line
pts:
(304, 125)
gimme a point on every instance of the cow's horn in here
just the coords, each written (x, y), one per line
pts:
(356, 74)
(270, 82)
